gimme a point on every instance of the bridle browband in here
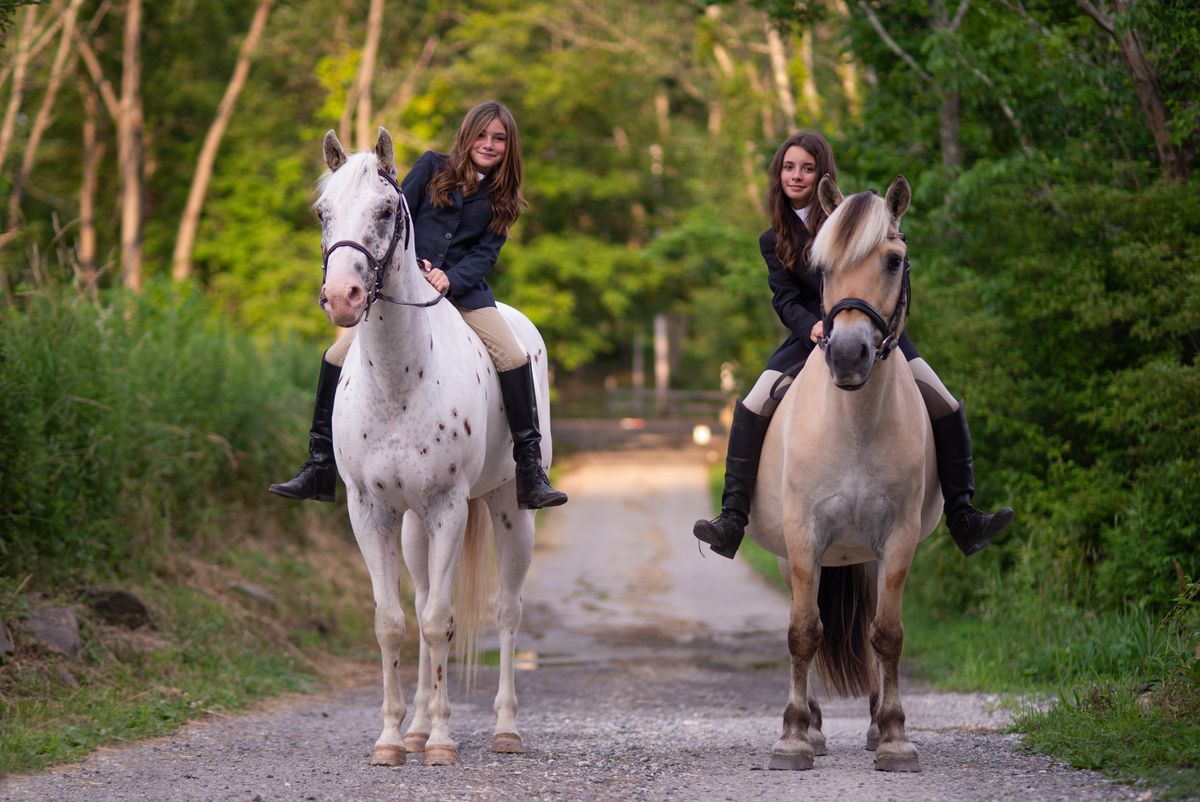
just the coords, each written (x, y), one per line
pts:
(890, 328)
(379, 268)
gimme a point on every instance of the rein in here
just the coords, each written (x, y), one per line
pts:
(889, 328)
(379, 268)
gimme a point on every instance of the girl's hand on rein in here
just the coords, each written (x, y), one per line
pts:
(817, 330)
(436, 278)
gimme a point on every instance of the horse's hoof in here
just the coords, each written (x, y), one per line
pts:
(388, 756)
(415, 741)
(872, 743)
(903, 758)
(817, 739)
(800, 762)
(508, 743)
(441, 755)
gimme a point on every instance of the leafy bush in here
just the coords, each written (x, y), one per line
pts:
(127, 423)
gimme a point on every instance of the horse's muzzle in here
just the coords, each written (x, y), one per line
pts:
(344, 306)
(850, 355)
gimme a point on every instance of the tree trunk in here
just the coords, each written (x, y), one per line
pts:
(948, 130)
(87, 274)
(130, 149)
(42, 120)
(366, 74)
(779, 72)
(20, 65)
(812, 98)
(181, 263)
(1175, 161)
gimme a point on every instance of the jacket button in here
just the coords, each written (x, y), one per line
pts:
(448, 235)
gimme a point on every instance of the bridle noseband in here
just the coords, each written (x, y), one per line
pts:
(889, 329)
(401, 228)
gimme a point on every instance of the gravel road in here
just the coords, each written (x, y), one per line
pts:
(650, 672)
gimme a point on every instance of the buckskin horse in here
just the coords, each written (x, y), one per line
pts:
(847, 485)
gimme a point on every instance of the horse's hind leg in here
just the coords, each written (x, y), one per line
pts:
(815, 736)
(415, 542)
(793, 750)
(895, 752)
(378, 544)
(513, 530)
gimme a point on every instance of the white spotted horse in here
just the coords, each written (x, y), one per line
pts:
(425, 452)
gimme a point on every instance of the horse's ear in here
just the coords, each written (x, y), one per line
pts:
(335, 154)
(828, 194)
(899, 193)
(385, 152)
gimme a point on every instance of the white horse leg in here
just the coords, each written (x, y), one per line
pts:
(446, 524)
(415, 543)
(895, 751)
(513, 530)
(793, 751)
(378, 543)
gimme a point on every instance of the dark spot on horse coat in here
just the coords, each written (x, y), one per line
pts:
(379, 484)
(467, 426)
(404, 407)
(364, 435)
(439, 674)
(453, 468)
(454, 412)
(437, 439)
(420, 374)
(369, 362)
(441, 427)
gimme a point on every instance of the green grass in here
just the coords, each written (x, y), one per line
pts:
(210, 649)
(1125, 684)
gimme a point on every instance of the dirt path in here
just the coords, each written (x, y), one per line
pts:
(651, 673)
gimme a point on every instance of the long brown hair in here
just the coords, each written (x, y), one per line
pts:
(459, 171)
(789, 230)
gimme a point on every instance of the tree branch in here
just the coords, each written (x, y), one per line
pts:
(891, 43)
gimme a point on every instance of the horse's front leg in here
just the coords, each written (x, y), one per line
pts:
(378, 543)
(873, 664)
(794, 751)
(513, 530)
(895, 752)
(415, 543)
(445, 520)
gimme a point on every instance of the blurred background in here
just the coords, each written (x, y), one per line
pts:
(159, 264)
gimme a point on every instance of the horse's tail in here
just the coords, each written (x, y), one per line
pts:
(844, 601)
(473, 589)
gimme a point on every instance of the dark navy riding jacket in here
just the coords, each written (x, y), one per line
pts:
(796, 296)
(456, 238)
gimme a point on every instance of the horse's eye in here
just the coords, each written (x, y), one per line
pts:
(385, 213)
(894, 262)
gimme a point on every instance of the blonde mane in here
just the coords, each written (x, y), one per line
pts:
(858, 226)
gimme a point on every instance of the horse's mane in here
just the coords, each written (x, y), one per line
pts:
(340, 188)
(858, 226)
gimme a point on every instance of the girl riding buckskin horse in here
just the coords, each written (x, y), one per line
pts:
(796, 216)
(462, 204)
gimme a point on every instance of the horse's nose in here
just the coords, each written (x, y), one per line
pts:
(849, 356)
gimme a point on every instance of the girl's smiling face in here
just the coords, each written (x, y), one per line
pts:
(489, 147)
(798, 176)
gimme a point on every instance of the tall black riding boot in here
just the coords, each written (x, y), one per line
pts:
(746, 434)
(520, 406)
(971, 528)
(317, 480)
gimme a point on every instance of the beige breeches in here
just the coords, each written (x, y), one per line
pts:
(937, 398)
(488, 323)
